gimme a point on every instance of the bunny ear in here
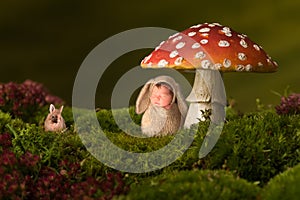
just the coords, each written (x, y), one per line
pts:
(61, 109)
(52, 108)
(181, 103)
(143, 100)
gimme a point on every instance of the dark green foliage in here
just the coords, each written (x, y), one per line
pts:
(138, 145)
(5, 118)
(126, 118)
(107, 121)
(68, 116)
(254, 146)
(283, 186)
(51, 146)
(257, 146)
(194, 184)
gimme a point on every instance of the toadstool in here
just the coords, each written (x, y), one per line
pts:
(208, 48)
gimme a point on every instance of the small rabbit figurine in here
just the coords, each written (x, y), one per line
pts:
(54, 121)
(163, 106)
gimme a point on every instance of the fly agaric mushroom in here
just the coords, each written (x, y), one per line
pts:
(208, 48)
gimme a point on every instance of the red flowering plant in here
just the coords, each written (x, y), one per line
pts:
(289, 105)
(67, 182)
(12, 180)
(22, 100)
(25, 177)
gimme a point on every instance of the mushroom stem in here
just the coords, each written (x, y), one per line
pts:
(207, 96)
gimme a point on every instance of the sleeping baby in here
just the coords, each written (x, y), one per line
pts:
(163, 106)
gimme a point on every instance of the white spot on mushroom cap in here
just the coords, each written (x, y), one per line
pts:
(216, 24)
(204, 41)
(204, 30)
(173, 54)
(196, 26)
(226, 63)
(256, 47)
(200, 55)
(204, 34)
(228, 34)
(147, 58)
(159, 45)
(242, 56)
(162, 43)
(178, 61)
(205, 64)
(162, 63)
(217, 66)
(226, 29)
(191, 34)
(174, 35)
(180, 45)
(248, 68)
(177, 38)
(240, 68)
(223, 43)
(241, 36)
(196, 45)
(243, 43)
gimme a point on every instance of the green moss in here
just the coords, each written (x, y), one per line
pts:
(204, 185)
(283, 186)
(255, 147)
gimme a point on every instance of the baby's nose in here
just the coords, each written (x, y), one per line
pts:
(155, 97)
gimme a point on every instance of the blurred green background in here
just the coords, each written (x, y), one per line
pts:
(46, 41)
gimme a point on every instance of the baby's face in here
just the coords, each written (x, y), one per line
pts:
(161, 96)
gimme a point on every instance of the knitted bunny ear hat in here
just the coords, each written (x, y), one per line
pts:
(143, 100)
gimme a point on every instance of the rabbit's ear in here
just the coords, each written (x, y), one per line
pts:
(181, 103)
(143, 100)
(61, 109)
(52, 108)
(182, 107)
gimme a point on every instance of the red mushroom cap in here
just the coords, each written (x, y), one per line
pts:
(210, 46)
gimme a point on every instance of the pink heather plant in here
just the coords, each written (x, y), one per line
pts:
(26, 178)
(289, 105)
(12, 181)
(5, 140)
(25, 98)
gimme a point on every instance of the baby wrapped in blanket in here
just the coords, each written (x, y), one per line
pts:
(163, 106)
